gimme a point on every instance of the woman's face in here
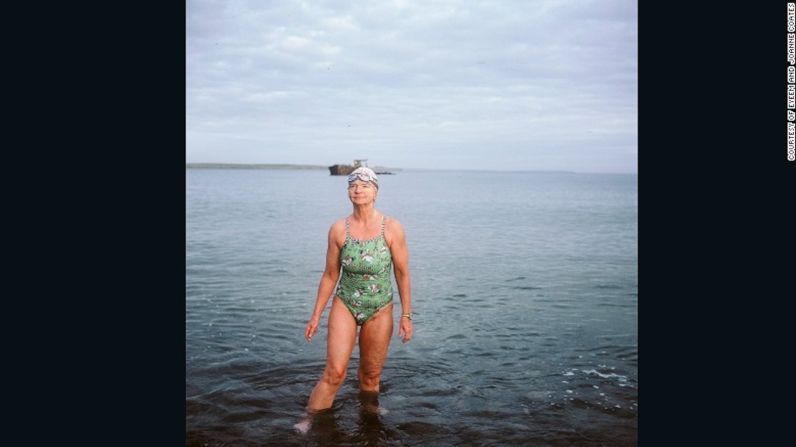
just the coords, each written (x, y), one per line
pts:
(362, 193)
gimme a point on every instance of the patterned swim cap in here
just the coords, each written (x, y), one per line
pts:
(365, 174)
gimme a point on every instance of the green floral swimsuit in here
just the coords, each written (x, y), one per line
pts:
(365, 285)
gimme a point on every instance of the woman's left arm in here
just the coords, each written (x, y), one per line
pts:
(400, 260)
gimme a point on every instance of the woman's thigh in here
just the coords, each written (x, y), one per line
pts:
(374, 340)
(342, 336)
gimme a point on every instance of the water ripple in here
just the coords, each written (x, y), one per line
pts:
(518, 341)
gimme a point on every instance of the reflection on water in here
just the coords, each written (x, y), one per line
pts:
(324, 427)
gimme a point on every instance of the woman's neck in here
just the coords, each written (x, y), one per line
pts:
(365, 213)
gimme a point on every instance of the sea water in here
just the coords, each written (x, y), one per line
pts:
(524, 289)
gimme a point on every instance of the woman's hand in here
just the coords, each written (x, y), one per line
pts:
(312, 327)
(405, 329)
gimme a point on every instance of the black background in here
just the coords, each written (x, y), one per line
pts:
(95, 224)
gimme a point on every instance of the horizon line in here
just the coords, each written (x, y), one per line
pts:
(226, 165)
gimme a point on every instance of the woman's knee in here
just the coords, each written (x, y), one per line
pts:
(334, 376)
(370, 375)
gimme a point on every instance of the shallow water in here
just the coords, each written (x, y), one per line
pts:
(524, 290)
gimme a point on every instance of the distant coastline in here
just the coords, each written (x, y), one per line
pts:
(286, 166)
(251, 166)
(266, 166)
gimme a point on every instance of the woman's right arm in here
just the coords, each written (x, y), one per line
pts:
(328, 280)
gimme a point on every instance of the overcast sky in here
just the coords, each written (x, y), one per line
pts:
(506, 85)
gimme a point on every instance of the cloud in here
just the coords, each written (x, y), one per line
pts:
(403, 80)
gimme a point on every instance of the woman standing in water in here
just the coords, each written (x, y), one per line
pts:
(367, 245)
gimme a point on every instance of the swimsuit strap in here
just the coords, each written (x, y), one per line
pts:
(347, 234)
(383, 218)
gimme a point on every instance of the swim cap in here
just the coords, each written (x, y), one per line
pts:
(365, 174)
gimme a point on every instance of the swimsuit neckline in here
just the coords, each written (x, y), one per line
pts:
(380, 235)
(364, 240)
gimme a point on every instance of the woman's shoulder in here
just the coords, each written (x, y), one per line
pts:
(337, 232)
(392, 227)
(391, 222)
(338, 226)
